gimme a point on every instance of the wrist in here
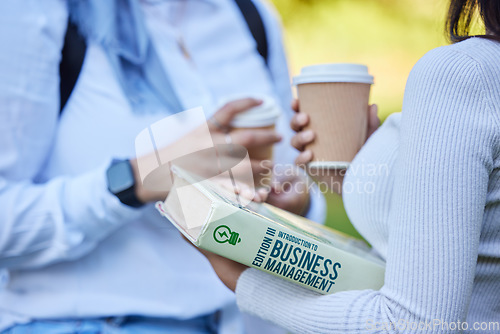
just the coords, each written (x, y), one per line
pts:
(144, 195)
(122, 183)
(229, 276)
(138, 187)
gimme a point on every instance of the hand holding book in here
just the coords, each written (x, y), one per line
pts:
(267, 238)
(228, 270)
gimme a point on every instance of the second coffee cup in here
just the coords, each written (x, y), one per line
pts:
(264, 117)
(335, 96)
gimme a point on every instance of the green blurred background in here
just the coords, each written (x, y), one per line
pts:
(387, 35)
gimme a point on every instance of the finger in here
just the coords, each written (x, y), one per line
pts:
(261, 166)
(255, 195)
(258, 195)
(255, 138)
(263, 194)
(373, 120)
(299, 121)
(225, 115)
(247, 193)
(304, 158)
(302, 139)
(279, 187)
(295, 105)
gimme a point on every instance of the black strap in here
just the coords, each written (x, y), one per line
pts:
(73, 54)
(255, 24)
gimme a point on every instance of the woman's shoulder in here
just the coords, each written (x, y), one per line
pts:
(460, 81)
(479, 49)
(469, 69)
(472, 59)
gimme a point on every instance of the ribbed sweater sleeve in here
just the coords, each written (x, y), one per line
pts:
(448, 141)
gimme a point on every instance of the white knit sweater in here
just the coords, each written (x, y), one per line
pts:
(425, 192)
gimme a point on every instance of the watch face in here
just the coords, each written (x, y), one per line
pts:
(120, 177)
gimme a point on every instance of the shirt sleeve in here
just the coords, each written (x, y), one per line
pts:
(64, 218)
(448, 141)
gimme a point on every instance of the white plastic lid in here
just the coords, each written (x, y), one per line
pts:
(340, 72)
(263, 115)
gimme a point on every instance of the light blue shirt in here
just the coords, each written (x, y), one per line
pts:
(68, 247)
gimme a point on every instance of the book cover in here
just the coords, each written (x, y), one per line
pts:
(270, 239)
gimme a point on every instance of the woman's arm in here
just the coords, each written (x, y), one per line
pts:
(448, 141)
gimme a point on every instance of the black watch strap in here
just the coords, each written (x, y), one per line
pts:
(121, 182)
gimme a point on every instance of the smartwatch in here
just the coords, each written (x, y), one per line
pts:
(121, 182)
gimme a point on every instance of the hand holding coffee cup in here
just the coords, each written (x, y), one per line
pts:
(305, 137)
(335, 96)
(251, 122)
(335, 99)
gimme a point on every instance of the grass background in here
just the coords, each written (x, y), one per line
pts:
(387, 35)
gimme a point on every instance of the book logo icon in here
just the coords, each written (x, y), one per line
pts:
(224, 234)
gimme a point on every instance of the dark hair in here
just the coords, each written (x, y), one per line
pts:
(461, 14)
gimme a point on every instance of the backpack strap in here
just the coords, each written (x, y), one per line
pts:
(255, 24)
(73, 54)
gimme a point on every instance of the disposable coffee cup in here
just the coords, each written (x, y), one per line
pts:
(263, 116)
(335, 96)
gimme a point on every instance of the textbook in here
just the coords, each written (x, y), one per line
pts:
(262, 236)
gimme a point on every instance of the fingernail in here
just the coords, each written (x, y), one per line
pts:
(307, 154)
(308, 135)
(301, 118)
